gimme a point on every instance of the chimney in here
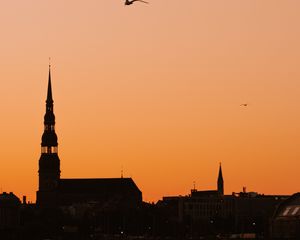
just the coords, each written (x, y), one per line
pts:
(24, 199)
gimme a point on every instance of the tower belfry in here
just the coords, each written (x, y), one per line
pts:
(49, 163)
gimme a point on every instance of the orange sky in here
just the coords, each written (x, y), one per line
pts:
(156, 89)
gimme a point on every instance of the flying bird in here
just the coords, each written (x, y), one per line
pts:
(244, 105)
(129, 2)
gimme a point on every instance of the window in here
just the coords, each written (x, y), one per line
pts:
(47, 149)
(295, 210)
(286, 211)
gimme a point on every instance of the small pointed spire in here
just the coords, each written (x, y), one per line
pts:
(220, 172)
(49, 93)
(220, 183)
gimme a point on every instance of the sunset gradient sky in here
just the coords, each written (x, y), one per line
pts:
(156, 89)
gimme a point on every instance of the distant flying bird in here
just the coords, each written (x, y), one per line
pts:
(244, 105)
(128, 2)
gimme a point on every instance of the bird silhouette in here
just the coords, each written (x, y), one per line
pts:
(244, 105)
(128, 2)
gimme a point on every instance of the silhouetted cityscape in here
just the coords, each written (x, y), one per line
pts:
(113, 208)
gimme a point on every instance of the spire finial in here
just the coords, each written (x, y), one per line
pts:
(122, 171)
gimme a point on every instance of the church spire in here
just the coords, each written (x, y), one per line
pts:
(220, 181)
(49, 163)
(49, 138)
(49, 93)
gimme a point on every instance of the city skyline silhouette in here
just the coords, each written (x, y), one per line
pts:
(157, 98)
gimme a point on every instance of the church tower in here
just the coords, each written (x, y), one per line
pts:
(49, 163)
(220, 181)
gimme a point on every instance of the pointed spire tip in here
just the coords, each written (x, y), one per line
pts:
(49, 91)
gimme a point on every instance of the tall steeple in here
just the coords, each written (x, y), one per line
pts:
(49, 138)
(49, 163)
(220, 181)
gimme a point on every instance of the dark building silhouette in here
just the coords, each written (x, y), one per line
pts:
(218, 192)
(286, 220)
(10, 206)
(121, 191)
(54, 191)
(210, 212)
(9, 211)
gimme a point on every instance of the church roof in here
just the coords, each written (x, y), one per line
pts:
(205, 193)
(9, 199)
(113, 192)
(87, 185)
